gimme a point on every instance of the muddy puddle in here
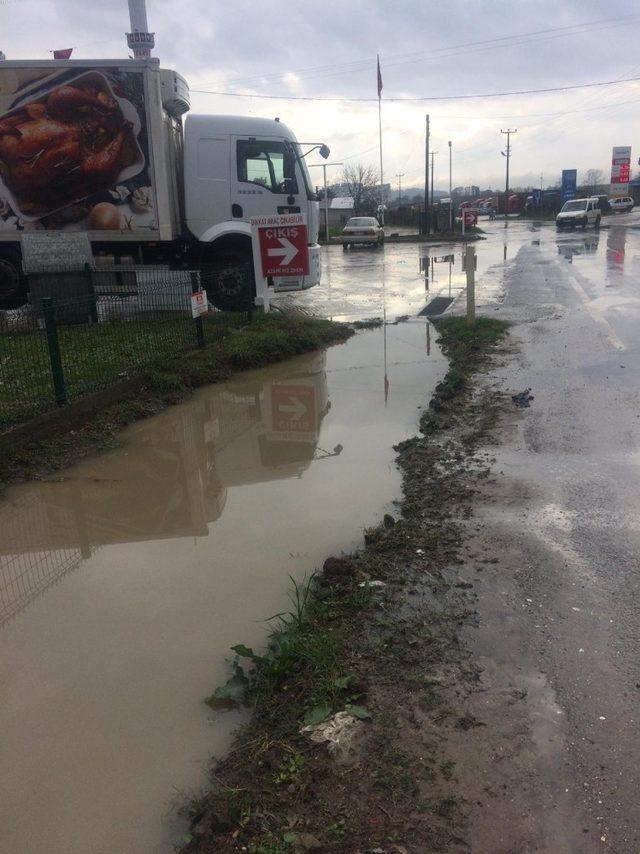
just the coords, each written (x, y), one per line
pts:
(125, 580)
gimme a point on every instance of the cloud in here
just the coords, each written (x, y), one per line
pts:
(255, 46)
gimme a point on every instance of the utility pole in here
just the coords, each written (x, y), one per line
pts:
(399, 176)
(450, 191)
(507, 154)
(426, 227)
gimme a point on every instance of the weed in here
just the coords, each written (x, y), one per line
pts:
(446, 769)
(446, 806)
(290, 768)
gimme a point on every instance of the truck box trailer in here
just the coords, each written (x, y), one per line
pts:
(106, 147)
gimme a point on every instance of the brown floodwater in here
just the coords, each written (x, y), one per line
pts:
(125, 580)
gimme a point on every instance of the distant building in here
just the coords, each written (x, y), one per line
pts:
(470, 192)
(340, 209)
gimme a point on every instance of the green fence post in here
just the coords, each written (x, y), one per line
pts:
(248, 281)
(195, 287)
(53, 344)
(93, 305)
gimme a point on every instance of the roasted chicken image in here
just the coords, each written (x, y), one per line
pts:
(73, 142)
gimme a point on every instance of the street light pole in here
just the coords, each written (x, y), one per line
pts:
(326, 197)
(507, 154)
(450, 191)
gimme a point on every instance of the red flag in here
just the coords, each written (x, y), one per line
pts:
(63, 54)
(379, 79)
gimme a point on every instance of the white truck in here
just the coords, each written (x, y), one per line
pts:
(105, 147)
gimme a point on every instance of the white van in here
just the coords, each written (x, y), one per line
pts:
(581, 212)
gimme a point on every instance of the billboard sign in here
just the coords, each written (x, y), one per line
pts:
(620, 170)
(74, 150)
(569, 184)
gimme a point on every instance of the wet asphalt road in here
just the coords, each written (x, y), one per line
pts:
(557, 769)
(559, 618)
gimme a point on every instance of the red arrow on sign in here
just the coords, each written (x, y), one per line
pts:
(287, 251)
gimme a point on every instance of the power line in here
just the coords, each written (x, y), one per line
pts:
(438, 53)
(415, 99)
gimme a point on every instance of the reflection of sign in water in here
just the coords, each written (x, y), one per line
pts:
(171, 483)
(293, 408)
(616, 241)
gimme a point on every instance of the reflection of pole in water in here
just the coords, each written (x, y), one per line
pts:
(428, 325)
(384, 334)
(504, 254)
(450, 268)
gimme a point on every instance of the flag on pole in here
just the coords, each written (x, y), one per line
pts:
(63, 54)
(379, 79)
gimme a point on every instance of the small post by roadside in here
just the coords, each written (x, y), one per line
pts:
(91, 293)
(53, 346)
(196, 288)
(470, 266)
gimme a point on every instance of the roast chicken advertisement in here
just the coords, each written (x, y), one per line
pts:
(74, 151)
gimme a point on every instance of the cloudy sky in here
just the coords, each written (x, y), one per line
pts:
(429, 50)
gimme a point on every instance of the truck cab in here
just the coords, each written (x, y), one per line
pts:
(239, 167)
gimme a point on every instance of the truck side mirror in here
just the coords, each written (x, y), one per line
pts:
(289, 165)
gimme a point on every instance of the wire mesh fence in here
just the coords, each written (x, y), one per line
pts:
(82, 335)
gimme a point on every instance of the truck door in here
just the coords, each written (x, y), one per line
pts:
(260, 181)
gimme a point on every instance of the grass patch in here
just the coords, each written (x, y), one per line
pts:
(347, 645)
(95, 357)
(235, 345)
(368, 323)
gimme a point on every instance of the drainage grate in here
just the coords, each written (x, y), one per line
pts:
(438, 305)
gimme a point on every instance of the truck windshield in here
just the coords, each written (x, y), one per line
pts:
(261, 161)
(578, 205)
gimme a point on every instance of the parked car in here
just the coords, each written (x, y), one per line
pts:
(362, 230)
(582, 212)
(621, 205)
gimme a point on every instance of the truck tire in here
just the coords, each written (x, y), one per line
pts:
(13, 290)
(228, 275)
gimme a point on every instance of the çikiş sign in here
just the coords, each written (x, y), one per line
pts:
(283, 244)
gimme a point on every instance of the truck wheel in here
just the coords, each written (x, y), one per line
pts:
(228, 277)
(13, 291)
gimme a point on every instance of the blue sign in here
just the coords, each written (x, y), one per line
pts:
(537, 198)
(569, 184)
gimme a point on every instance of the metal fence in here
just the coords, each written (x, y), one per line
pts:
(84, 332)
